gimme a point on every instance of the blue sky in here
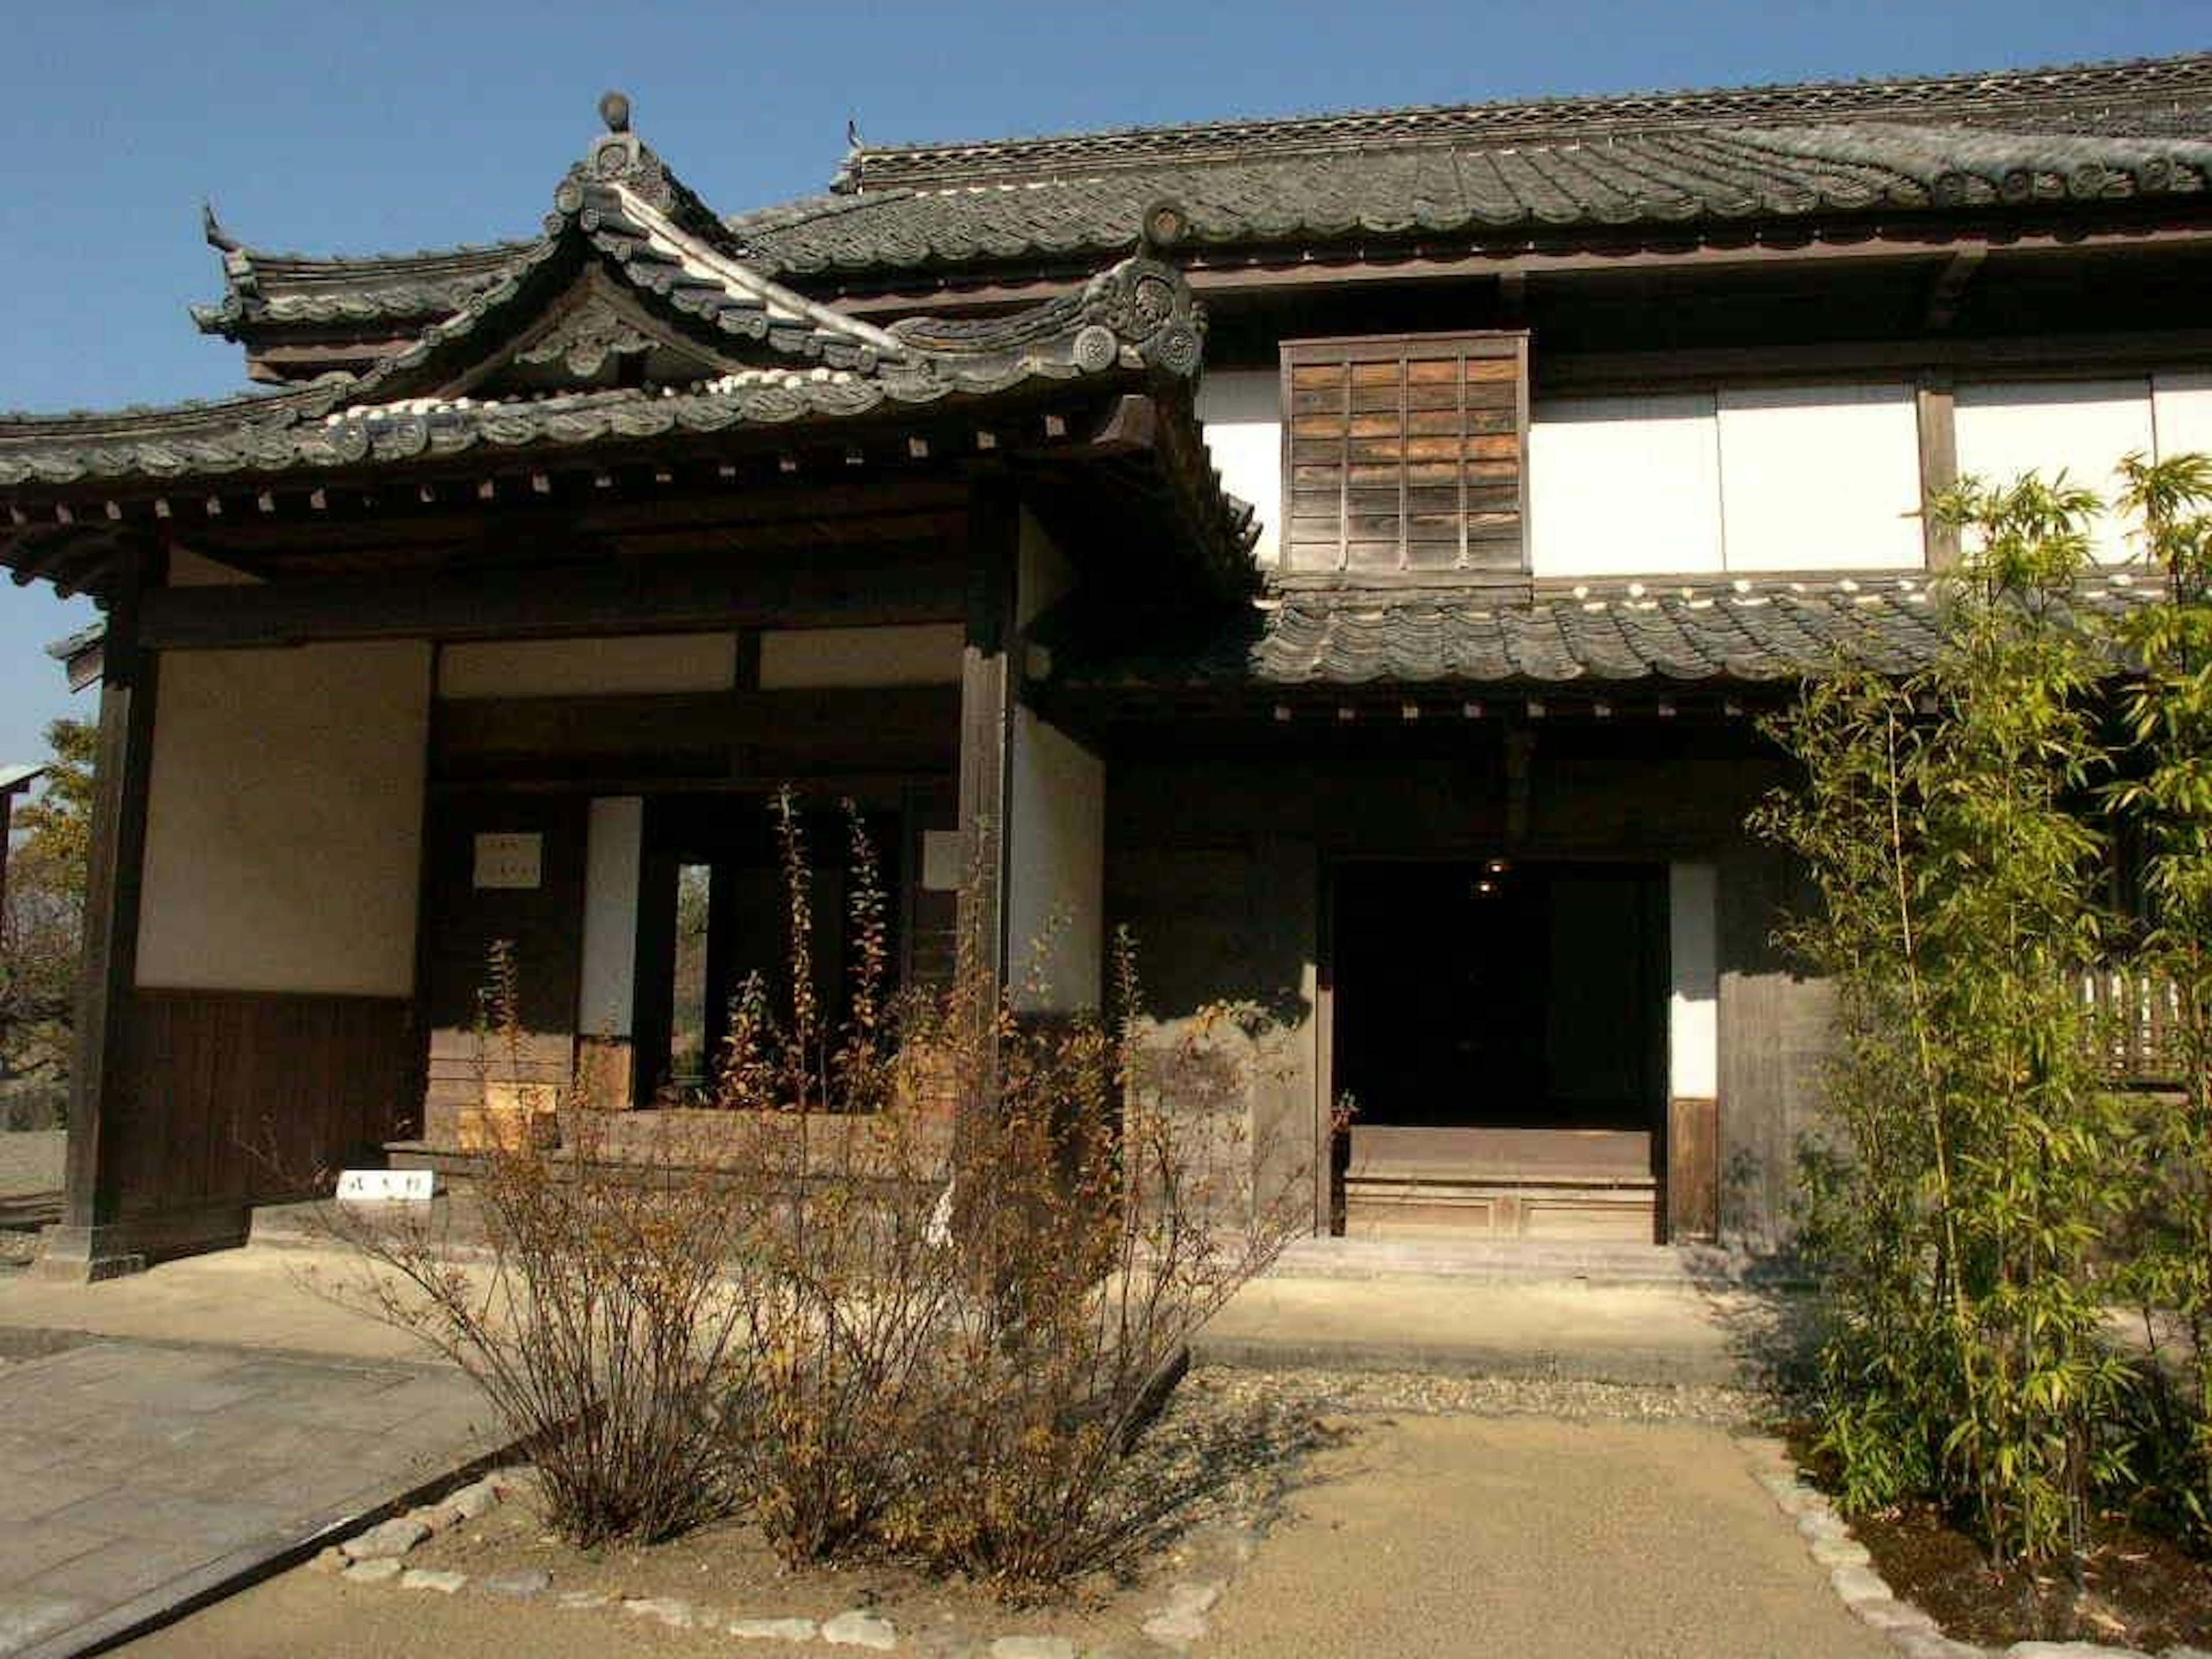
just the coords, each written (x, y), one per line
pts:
(400, 124)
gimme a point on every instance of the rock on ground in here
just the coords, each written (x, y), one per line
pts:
(518, 1585)
(383, 1542)
(860, 1630)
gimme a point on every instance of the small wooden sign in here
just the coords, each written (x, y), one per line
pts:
(509, 861)
(386, 1186)
(943, 863)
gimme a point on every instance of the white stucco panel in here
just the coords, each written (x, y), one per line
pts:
(1694, 1068)
(1819, 477)
(283, 832)
(816, 659)
(1242, 410)
(1624, 485)
(619, 665)
(2182, 406)
(614, 844)
(2082, 428)
(1055, 868)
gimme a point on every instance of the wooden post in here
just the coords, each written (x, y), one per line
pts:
(1939, 465)
(91, 1241)
(7, 813)
(988, 687)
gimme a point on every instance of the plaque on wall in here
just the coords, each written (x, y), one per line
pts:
(511, 861)
(943, 865)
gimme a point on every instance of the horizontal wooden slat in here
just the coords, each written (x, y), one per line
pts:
(1405, 452)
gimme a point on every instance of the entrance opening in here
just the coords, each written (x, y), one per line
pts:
(715, 912)
(1501, 1029)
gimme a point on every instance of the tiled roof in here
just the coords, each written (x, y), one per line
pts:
(15, 779)
(2032, 140)
(2136, 96)
(1719, 175)
(1742, 631)
(769, 355)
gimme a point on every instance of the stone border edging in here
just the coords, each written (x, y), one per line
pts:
(375, 1554)
(1863, 1591)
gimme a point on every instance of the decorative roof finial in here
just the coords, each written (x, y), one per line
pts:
(614, 110)
(211, 228)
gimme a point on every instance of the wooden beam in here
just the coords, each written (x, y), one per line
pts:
(90, 1244)
(988, 685)
(1941, 308)
(1338, 265)
(1937, 408)
(638, 599)
(702, 734)
(2053, 356)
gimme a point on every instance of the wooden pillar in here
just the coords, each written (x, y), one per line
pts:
(1938, 464)
(7, 814)
(91, 1241)
(988, 688)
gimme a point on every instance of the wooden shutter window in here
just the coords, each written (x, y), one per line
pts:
(1405, 454)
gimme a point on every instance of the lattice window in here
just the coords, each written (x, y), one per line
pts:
(1405, 454)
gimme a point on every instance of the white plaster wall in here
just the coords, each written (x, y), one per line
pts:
(614, 844)
(2181, 407)
(1056, 868)
(616, 666)
(1623, 486)
(802, 659)
(284, 833)
(2081, 427)
(1242, 410)
(1820, 477)
(1693, 1002)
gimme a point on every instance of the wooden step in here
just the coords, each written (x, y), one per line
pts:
(1561, 1210)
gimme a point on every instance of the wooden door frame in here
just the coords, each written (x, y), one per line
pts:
(1329, 1182)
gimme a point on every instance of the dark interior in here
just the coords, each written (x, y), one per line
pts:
(716, 909)
(1498, 994)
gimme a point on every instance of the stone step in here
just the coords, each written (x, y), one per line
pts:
(1527, 1261)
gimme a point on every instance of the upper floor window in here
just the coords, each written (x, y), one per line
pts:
(1405, 454)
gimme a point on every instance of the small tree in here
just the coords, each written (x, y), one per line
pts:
(2168, 795)
(1957, 1209)
(42, 922)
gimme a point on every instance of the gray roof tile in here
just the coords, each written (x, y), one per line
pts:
(2032, 139)
(1685, 635)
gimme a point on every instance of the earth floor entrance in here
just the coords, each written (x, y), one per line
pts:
(1500, 1027)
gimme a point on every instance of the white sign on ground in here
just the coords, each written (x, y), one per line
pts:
(386, 1186)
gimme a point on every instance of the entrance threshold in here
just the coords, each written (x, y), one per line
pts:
(1477, 1260)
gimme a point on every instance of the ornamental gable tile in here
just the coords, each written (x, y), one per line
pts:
(634, 279)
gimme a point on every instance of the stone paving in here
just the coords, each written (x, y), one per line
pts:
(137, 1479)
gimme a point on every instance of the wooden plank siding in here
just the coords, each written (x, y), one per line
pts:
(232, 1098)
(1405, 454)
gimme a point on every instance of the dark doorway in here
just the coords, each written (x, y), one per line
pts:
(716, 910)
(1501, 1029)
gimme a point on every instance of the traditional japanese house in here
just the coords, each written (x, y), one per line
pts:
(1353, 551)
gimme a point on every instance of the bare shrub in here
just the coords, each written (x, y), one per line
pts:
(914, 1285)
(990, 1237)
(600, 1316)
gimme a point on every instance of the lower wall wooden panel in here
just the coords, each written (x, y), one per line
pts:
(1694, 1167)
(232, 1098)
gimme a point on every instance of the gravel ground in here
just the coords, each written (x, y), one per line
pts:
(1412, 1392)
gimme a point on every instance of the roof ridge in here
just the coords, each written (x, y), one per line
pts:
(868, 168)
